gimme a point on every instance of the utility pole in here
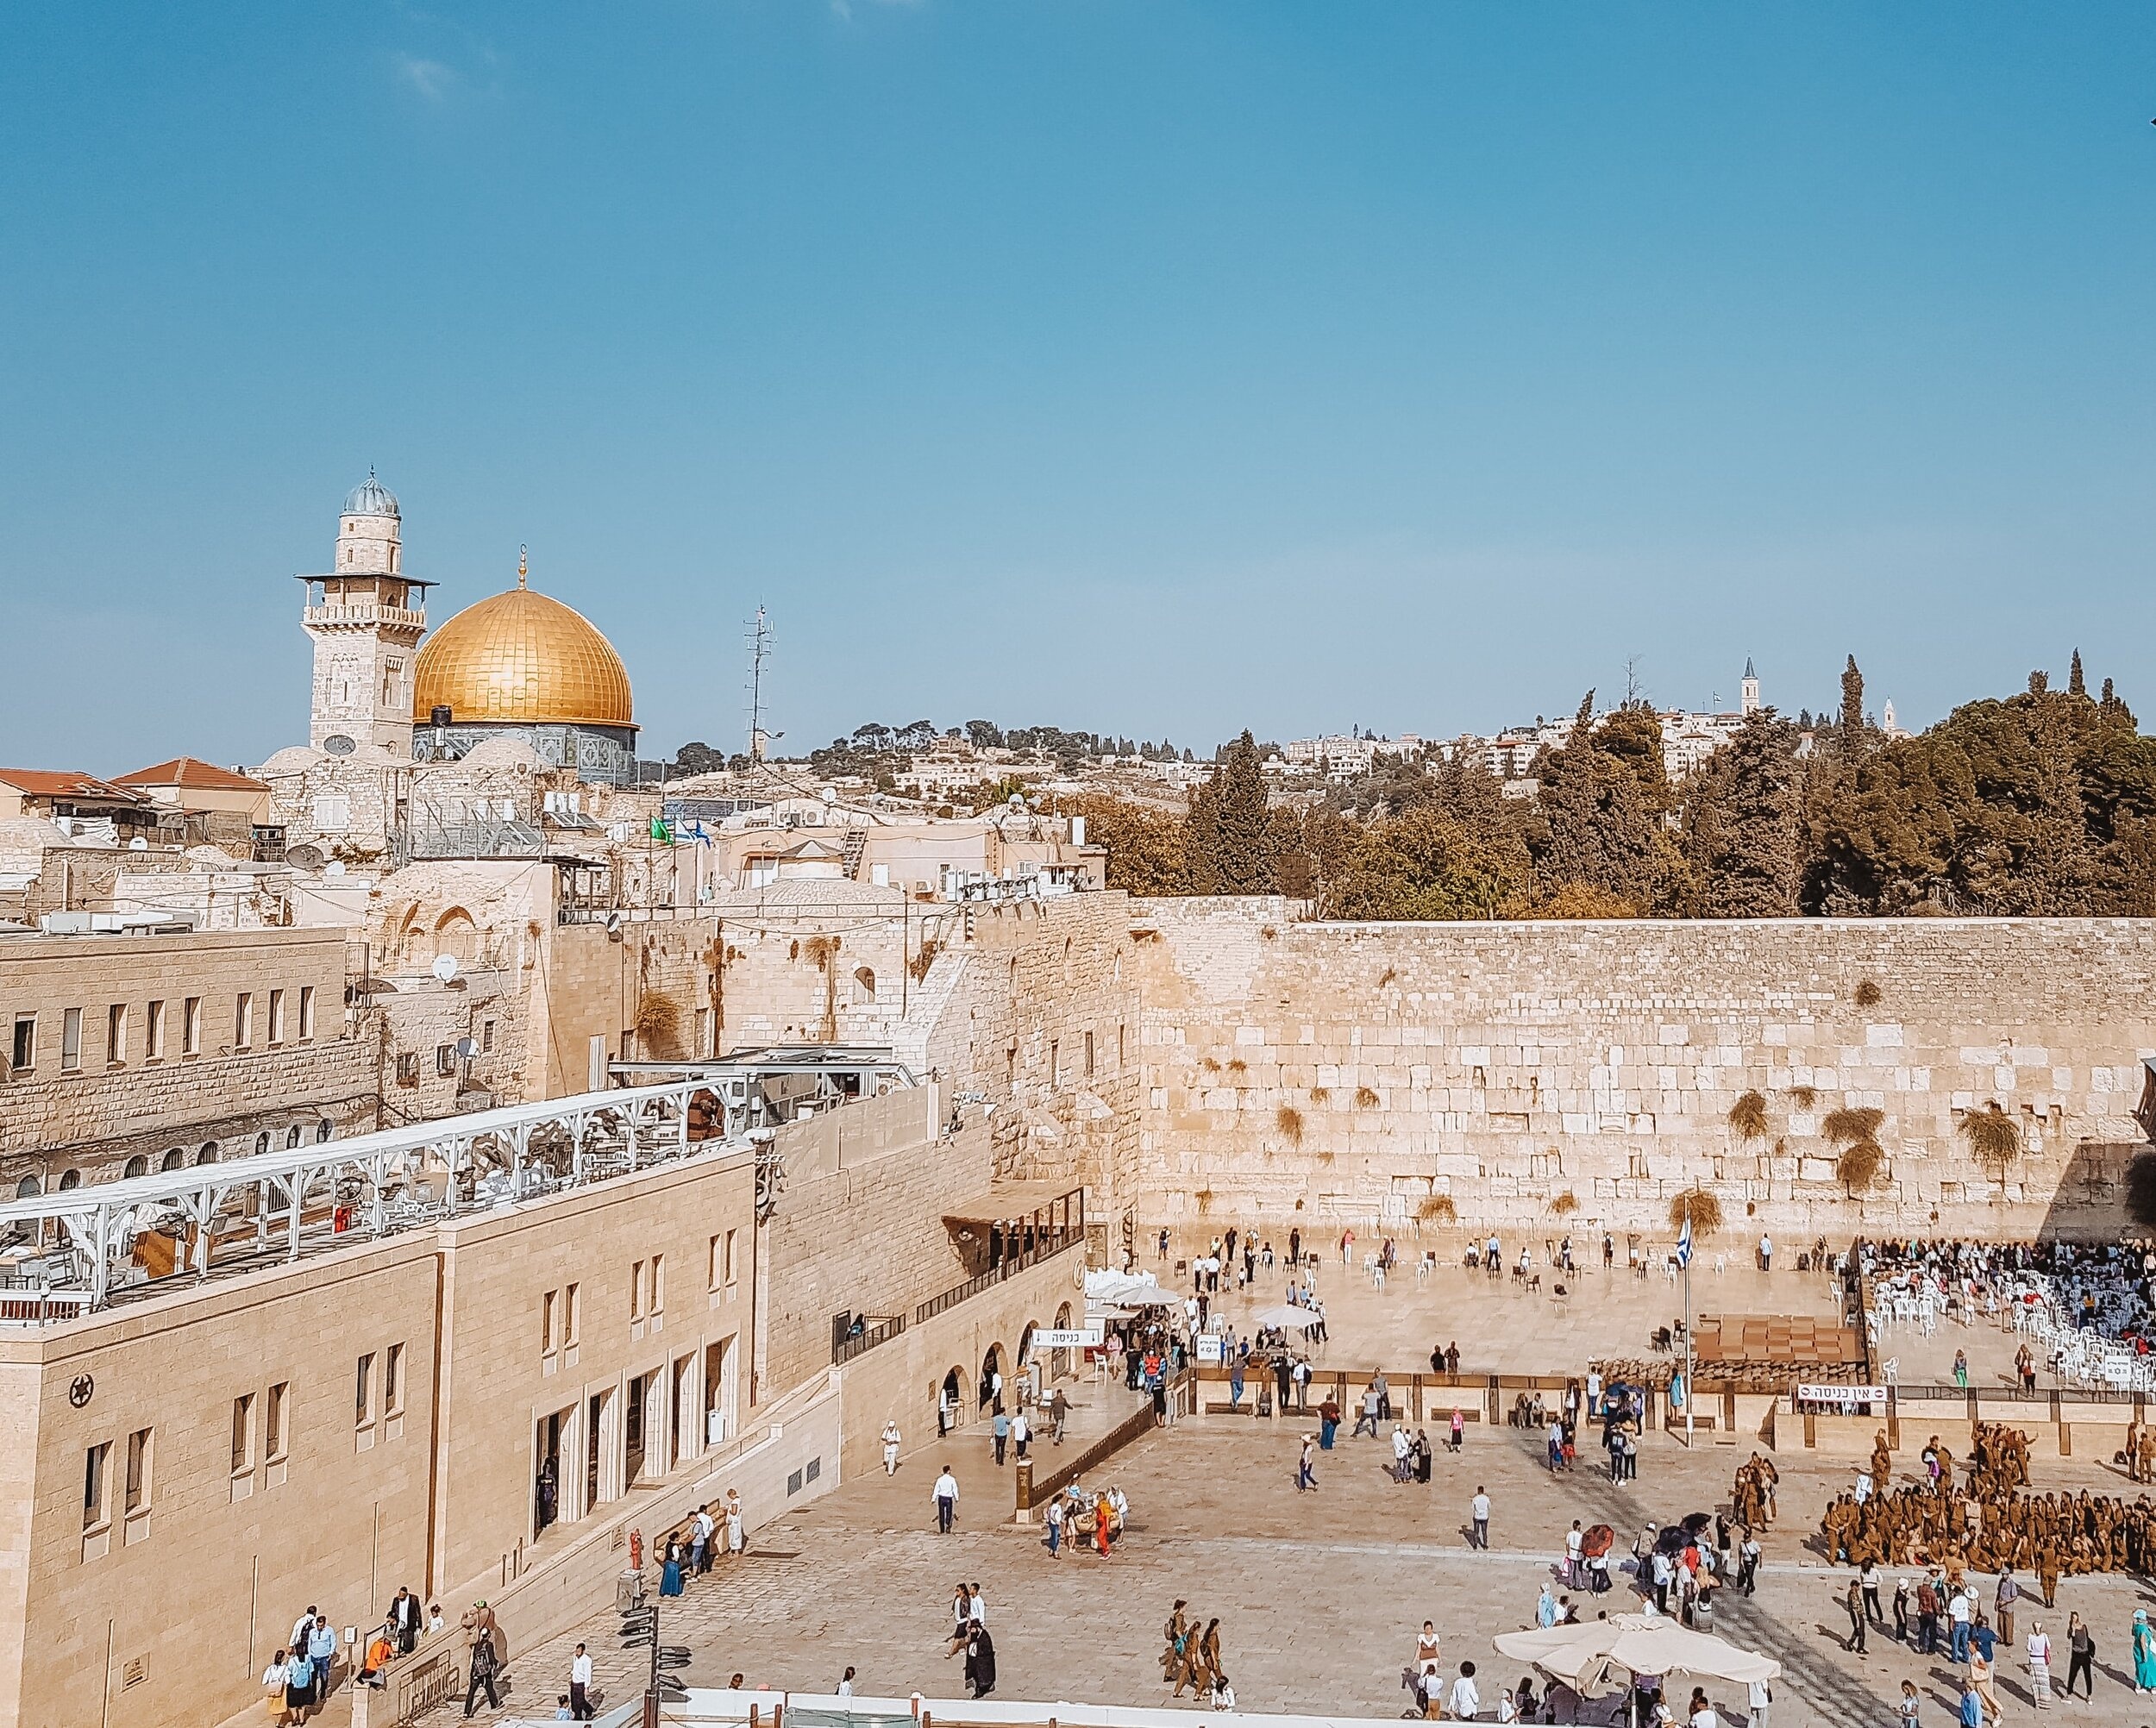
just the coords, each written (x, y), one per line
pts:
(759, 641)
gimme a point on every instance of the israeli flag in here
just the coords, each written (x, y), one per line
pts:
(1684, 1243)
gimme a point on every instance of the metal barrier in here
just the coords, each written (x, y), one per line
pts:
(1060, 1244)
(423, 1679)
(882, 1333)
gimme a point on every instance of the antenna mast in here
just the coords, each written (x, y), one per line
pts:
(759, 639)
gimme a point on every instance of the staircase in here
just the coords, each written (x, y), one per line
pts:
(856, 843)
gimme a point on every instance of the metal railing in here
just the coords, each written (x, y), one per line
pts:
(1062, 1241)
(881, 1333)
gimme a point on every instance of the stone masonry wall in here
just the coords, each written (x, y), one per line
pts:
(1334, 1073)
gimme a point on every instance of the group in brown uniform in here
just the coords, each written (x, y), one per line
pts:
(1752, 1495)
(1191, 1657)
(1987, 1524)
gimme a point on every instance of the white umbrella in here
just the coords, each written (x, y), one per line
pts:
(1301, 1319)
(1582, 1655)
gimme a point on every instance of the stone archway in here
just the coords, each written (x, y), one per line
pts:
(993, 1377)
(949, 1400)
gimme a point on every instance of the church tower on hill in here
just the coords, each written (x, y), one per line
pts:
(366, 617)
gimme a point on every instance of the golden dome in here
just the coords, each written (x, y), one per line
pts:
(521, 657)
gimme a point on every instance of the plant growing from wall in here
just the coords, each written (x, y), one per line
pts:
(1701, 1207)
(1748, 1117)
(1803, 1097)
(1994, 1137)
(1288, 1120)
(1565, 1204)
(822, 952)
(1858, 1166)
(1365, 1098)
(658, 1026)
(1846, 1126)
(1438, 1209)
(1239, 1067)
(1867, 994)
(1321, 1094)
(1204, 1202)
(924, 958)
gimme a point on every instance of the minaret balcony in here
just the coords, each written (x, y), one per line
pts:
(363, 616)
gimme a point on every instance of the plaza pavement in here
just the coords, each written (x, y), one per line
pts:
(1319, 1596)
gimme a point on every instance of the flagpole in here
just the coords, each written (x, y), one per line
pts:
(1688, 1333)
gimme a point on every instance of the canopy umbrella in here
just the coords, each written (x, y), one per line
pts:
(1597, 1541)
(1584, 1655)
(1301, 1319)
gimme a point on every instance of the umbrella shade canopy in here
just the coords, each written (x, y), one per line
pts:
(1124, 1290)
(1597, 1541)
(1283, 1316)
(1585, 1655)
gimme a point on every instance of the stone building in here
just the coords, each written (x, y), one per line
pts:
(129, 1053)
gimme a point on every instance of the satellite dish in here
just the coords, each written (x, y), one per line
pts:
(334, 868)
(445, 967)
(466, 1046)
(338, 745)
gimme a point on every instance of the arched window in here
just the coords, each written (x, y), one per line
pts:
(866, 979)
(291, 1136)
(28, 1186)
(208, 1153)
(69, 1179)
(262, 1143)
(323, 1129)
(173, 1160)
(138, 1165)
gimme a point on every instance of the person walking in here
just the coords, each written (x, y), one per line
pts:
(1457, 1432)
(580, 1685)
(2002, 1602)
(2081, 1656)
(1002, 1433)
(1054, 1522)
(484, 1663)
(981, 1662)
(404, 1618)
(1021, 1432)
(736, 1526)
(273, 1690)
(945, 1494)
(1853, 1600)
(1305, 1469)
(1478, 1512)
(299, 1684)
(1059, 1413)
(1869, 1574)
(1960, 1611)
(321, 1653)
(890, 1446)
(2144, 1648)
(2038, 1649)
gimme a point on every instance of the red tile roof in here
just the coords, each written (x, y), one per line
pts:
(190, 771)
(66, 783)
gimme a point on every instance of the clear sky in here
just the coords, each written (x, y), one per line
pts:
(1144, 367)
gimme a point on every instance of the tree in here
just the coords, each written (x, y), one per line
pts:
(1744, 837)
(1852, 730)
(2076, 683)
(1601, 829)
(1227, 837)
(1425, 865)
(1145, 847)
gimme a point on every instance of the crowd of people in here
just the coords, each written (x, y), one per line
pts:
(1190, 1655)
(299, 1677)
(2105, 1288)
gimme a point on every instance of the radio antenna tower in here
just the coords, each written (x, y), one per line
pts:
(759, 641)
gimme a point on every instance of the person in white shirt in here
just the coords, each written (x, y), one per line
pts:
(1021, 1430)
(2038, 1652)
(890, 1447)
(976, 1607)
(302, 1626)
(1223, 1693)
(846, 1684)
(1573, 1554)
(945, 1494)
(580, 1685)
(1758, 1697)
(1703, 1714)
(1464, 1701)
(1478, 1510)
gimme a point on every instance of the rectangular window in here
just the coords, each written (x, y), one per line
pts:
(487, 1035)
(445, 1059)
(139, 1463)
(243, 1434)
(191, 1027)
(716, 1277)
(97, 1465)
(572, 1313)
(393, 1381)
(22, 1053)
(636, 1291)
(275, 1422)
(243, 1020)
(116, 1032)
(1054, 1062)
(306, 1010)
(731, 1234)
(546, 1322)
(1088, 1055)
(408, 1068)
(658, 1283)
(153, 1029)
(1122, 1051)
(70, 1040)
(363, 1398)
(277, 1016)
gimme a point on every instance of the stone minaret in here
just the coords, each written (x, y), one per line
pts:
(1748, 700)
(366, 617)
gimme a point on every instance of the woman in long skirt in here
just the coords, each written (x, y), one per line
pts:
(670, 1574)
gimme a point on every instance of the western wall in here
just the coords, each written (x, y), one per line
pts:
(1578, 1076)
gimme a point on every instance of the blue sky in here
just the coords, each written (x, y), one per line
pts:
(1151, 367)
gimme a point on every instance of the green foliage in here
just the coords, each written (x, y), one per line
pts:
(1601, 811)
(1744, 812)
(1227, 837)
(1145, 847)
(1425, 865)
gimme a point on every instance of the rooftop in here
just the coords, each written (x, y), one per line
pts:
(190, 771)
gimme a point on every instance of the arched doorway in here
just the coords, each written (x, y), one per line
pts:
(950, 1402)
(1060, 1361)
(992, 1386)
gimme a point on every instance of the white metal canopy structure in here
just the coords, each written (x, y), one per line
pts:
(380, 1182)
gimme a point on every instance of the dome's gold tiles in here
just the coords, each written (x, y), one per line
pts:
(522, 656)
